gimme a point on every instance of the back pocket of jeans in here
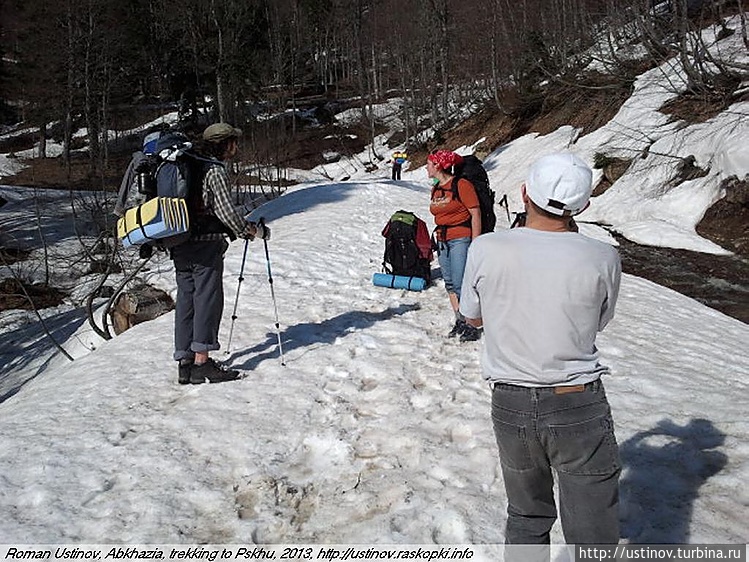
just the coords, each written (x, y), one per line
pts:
(585, 447)
(513, 445)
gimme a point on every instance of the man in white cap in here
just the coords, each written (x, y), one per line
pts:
(542, 293)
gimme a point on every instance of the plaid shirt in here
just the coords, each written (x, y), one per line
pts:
(217, 201)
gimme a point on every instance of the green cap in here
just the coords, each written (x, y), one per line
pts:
(220, 131)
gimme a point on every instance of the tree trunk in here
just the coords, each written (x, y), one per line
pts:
(139, 304)
(694, 79)
(68, 131)
(294, 56)
(42, 140)
(444, 51)
(220, 85)
(90, 105)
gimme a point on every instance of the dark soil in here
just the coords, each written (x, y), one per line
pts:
(589, 103)
(12, 295)
(727, 222)
(613, 169)
(720, 282)
(17, 143)
(51, 173)
(699, 107)
(305, 150)
(302, 150)
(12, 255)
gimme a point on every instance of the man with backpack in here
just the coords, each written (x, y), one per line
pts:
(457, 214)
(543, 292)
(199, 262)
(399, 158)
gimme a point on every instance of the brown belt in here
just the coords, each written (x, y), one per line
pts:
(569, 389)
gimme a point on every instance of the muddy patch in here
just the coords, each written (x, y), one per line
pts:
(10, 256)
(13, 295)
(727, 222)
(698, 107)
(720, 282)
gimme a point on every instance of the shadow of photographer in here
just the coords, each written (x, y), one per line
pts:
(664, 469)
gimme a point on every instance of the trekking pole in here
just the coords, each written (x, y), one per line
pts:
(236, 298)
(504, 203)
(519, 219)
(261, 222)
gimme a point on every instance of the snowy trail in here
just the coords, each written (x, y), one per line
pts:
(377, 430)
(364, 414)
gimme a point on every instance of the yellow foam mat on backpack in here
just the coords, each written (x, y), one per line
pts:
(158, 217)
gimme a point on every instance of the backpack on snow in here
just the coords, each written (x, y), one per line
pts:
(408, 248)
(171, 182)
(472, 169)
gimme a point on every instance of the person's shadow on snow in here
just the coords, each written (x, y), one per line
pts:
(663, 471)
(309, 333)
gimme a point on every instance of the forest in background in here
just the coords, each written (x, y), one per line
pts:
(82, 72)
(95, 65)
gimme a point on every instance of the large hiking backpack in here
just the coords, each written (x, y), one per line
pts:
(408, 248)
(171, 181)
(472, 169)
(179, 170)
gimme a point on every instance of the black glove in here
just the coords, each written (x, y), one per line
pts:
(145, 251)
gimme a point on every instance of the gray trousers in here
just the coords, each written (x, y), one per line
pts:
(200, 296)
(538, 430)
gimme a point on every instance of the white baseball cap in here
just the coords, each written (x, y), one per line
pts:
(560, 184)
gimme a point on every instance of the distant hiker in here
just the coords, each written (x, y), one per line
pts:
(398, 160)
(543, 292)
(199, 265)
(458, 222)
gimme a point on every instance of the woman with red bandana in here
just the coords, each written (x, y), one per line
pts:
(458, 220)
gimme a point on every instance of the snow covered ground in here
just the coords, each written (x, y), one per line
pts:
(378, 428)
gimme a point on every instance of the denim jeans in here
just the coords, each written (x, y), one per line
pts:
(538, 430)
(452, 256)
(200, 296)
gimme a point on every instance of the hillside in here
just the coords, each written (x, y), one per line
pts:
(719, 281)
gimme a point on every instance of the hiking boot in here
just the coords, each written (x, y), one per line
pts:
(458, 328)
(185, 366)
(470, 333)
(212, 372)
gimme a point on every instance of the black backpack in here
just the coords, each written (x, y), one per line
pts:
(408, 248)
(472, 169)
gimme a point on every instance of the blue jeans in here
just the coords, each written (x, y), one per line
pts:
(538, 430)
(452, 256)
